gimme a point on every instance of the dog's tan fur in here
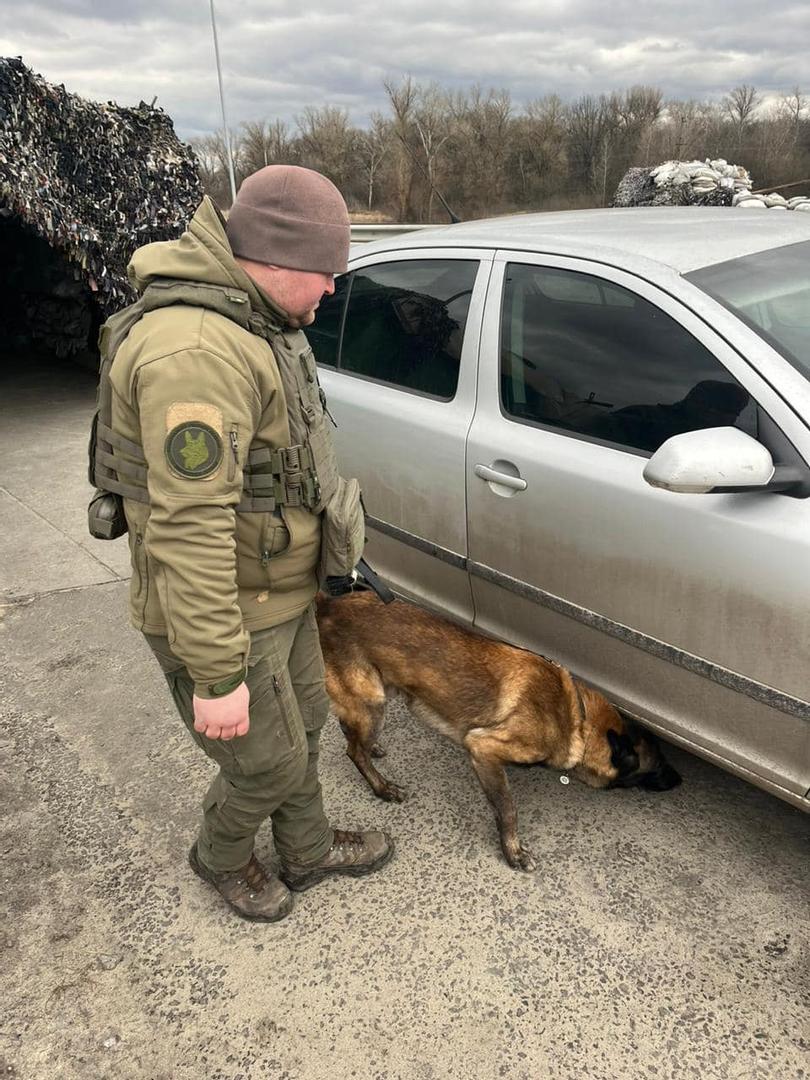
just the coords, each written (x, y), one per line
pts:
(502, 704)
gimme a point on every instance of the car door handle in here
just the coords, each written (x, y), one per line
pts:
(517, 483)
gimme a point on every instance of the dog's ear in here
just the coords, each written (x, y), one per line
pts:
(622, 755)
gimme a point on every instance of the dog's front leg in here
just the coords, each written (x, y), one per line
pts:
(491, 774)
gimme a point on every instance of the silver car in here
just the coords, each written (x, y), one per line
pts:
(588, 433)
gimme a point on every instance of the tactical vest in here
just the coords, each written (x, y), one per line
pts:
(304, 474)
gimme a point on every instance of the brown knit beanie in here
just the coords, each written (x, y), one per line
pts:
(291, 217)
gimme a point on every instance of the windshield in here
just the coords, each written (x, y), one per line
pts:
(770, 291)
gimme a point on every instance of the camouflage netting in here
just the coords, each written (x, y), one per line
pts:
(82, 185)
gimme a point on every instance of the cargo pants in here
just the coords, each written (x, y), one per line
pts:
(272, 771)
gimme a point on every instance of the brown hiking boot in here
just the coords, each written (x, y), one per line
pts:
(351, 853)
(252, 892)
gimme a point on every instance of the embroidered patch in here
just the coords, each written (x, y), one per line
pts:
(194, 450)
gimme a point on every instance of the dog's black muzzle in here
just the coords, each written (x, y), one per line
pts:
(625, 757)
(664, 778)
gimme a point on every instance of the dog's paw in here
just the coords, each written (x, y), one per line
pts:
(378, 750)
(522, 860)
(393, 793)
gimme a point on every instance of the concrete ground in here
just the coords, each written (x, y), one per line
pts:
(664, 936)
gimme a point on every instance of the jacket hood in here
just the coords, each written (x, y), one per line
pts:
(202, 254)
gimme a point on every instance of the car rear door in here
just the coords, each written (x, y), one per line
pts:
(690, 611)
(397, 348)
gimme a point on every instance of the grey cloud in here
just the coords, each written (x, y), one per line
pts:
(279, 57)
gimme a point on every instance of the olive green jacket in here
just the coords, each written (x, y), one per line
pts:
(203, 574)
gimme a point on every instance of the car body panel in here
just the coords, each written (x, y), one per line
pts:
(650, 241)
(408, 450)
(636, 589)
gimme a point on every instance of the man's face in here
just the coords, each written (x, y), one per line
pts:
(298, 292)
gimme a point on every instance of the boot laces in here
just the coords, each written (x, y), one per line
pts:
(344, 838)
(254, 876)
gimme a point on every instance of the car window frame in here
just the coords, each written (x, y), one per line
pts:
(763, 392)
(475, 313)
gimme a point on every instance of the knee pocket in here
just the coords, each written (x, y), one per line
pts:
(217, 794)
(248, 799)
(238, 806)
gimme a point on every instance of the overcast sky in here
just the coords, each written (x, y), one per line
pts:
(281, 56)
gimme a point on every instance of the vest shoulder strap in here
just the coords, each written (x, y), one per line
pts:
(225, 300)
(116, 328)
(232, 303)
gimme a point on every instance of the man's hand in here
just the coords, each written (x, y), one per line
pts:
(223, 717)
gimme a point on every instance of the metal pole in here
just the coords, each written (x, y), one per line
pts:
(222, 103)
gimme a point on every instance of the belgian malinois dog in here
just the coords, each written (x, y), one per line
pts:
(504, 705)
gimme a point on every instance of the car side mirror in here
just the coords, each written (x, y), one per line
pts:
(717, 459)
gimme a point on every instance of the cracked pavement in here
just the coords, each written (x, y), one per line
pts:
(663, 936)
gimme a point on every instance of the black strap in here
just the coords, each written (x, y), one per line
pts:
(377, 584)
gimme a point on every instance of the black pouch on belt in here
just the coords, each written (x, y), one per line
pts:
(105, 516)
(105, 513)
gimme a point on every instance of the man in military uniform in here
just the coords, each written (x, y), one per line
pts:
(212, 430)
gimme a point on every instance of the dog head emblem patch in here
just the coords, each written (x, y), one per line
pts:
(193, 450)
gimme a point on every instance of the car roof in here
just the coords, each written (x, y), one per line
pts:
(682, 238)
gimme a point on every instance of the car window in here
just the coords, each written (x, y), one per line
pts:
(770, 291)
(593, 358)
(324, 334)
(405, 323)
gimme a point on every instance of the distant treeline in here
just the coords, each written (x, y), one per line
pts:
(488, 156)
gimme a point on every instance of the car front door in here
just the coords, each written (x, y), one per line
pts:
(397, 348)
(689, 611)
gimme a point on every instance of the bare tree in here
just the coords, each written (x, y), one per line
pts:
(403, 100)
(740, 105)
(373, 147)
(432, 120)
(328, 143)
(212, 157)
(267, 143)
(793, 106)
(539, 148)
(486, 156)
(638, 111)
(482, 137)
(208, 162)
(682, 130)
(591, 129)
